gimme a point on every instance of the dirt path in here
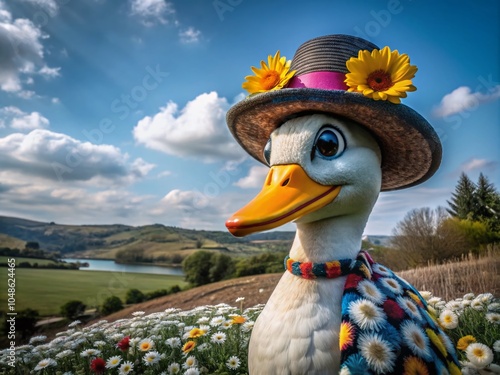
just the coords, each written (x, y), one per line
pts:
(256, 289)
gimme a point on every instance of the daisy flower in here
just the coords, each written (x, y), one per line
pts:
(381, 270)
(448, 319)
(218, 338)
(113, 362)
(377, 352)
(151, 358)
(493, 318)
(233, 362)
(391, 284)
(271, 76)
(465, 341)
(247, 326)
(146, 345)
(366, 314)
(217, 321)
(479, 355)
(138, 313)
(173, 342)
(496, 346)
(416, 339)
(203, 320)
(238, 319)
(409, 307)
(174, 368)
(226, 324)
(90, 352)
(426, 294)
(381, 74)
(64, 353)
(36, 339)
(239, 299)
(126, 368)
(370, 291)
(188, 346)
(190, 362)
(44, 363)
(414, 365)
(192, 371)
(74, 323)
(196, 332)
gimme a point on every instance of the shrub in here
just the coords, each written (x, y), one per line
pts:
(134, 296)
(111, 304)
(72, 309)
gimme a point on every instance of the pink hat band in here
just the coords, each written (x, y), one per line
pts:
(323, 80)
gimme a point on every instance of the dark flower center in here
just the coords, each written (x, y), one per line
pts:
(379, 80)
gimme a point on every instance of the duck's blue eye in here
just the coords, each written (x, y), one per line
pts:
(267, 152)
(329, 143)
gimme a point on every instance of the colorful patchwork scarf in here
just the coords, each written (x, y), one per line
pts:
(387, 327)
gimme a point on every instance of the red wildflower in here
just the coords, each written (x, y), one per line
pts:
(124, 344)
(98, 365)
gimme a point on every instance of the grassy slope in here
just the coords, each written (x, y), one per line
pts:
(47, 290)
(11, 242)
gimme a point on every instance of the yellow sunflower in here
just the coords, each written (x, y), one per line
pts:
(381, 74)
(271, 76)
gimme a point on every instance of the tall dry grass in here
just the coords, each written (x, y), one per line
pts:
(472, 274)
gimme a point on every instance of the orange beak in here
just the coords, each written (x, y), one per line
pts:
(287, 194)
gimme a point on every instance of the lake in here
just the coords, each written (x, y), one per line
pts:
(110, 265)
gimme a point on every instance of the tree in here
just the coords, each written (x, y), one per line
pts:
(134, 296)
(488, 203)
(463, 201)
(204, 267)
(110, 305)
(72, 309)
(423, 236)
(196, 267)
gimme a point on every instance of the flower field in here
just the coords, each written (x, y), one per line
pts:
(214, 340)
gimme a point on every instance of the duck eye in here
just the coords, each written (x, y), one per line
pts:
(267, 152)
(329, 143)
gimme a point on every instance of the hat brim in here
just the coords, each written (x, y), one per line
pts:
(411, 150)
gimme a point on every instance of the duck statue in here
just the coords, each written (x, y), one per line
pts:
(330, 126)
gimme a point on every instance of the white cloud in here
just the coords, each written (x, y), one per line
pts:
(22, 53)
(256, 177)
(49, 72)
(463, 99)
(164, 174)
(58, 157)
(190, 35)
(17, 119)
(153, 11)
(196, 131)
(477, 165)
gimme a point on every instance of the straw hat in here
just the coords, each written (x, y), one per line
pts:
(411, 150)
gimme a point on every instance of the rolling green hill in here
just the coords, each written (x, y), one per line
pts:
(150, 243)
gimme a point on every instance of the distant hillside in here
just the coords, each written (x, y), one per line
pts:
(155, 242)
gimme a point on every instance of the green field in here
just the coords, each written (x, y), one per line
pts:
(46, 290)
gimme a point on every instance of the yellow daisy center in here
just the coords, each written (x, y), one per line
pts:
(270, 79)
(479, 353)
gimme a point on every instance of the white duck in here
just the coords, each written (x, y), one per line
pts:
(331, 152)
(326, 175)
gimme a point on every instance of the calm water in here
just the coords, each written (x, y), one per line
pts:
(110, 265)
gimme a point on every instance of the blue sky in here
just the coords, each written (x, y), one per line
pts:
(114, 111)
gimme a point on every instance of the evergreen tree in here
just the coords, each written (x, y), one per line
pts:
(463, 201)
(488, 203)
